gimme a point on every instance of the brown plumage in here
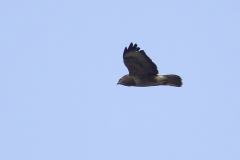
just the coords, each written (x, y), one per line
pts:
(143, 71)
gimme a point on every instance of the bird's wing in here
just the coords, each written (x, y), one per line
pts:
(137, 62)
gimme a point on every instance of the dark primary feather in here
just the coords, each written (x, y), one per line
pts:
(137, 62)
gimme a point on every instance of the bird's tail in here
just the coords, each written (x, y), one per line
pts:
(173, 80)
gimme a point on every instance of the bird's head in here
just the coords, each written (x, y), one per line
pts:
(127, 81)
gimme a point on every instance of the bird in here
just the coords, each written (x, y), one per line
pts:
(143, 72)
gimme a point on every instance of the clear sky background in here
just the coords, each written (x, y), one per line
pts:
(59, 66)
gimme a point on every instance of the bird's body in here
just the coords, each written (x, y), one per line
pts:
(152, 80)
(143, 72)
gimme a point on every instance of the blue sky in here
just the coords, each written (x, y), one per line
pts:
(60, 62)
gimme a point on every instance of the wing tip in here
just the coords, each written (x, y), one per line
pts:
(132, 48)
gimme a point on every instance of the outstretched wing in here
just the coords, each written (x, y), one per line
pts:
(137, 62)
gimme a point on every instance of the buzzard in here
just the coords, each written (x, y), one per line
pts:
(143, 71)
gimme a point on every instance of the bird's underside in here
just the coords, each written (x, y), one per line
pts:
(152, 80)
(143, 71)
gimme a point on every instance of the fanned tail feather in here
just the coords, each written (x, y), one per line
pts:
(173, 80)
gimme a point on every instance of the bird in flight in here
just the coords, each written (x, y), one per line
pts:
(143, 71)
